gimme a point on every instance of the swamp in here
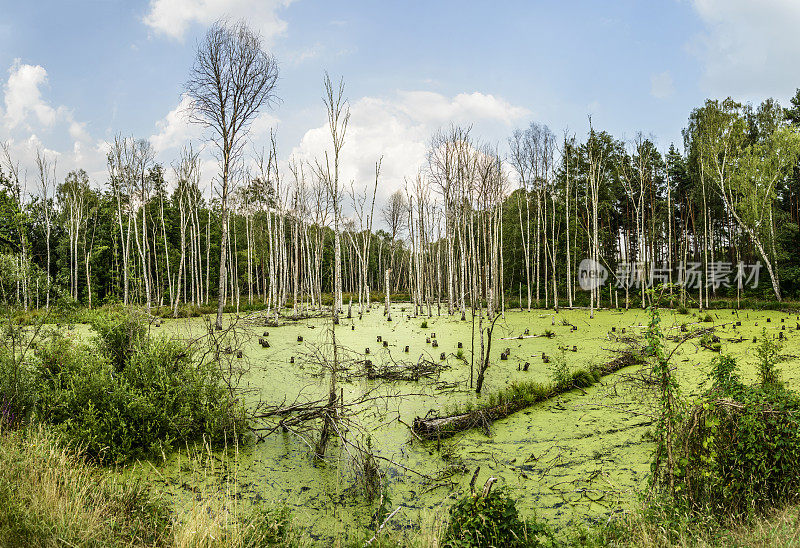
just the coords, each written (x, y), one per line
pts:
(414, 316)
(576, 457)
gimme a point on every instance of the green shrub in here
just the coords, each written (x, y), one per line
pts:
(559, 371)
(708, 318)
(737, 450)
(424, 324)
(767, 353)
(160, 397)
(682, 310)
(493, 520)
(119, 331)
(18, 393)
(723, 374)
(18, 389)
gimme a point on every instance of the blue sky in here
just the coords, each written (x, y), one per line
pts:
(75, 73)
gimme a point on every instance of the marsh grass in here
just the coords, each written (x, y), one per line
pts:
(220, 513)
(519, 395)
(50, 496)
(658, 524)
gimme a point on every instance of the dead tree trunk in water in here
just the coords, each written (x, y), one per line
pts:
(330, 412)
(388, 299)
(485, 362)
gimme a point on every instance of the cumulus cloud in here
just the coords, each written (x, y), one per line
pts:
(398, 129)
(26, 108)
(29, 120)
(464, 107)
(749, 49)
(175, 129)
(661, 85)
(172, 18)
(23, 98)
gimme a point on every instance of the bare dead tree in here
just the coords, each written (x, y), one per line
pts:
(361, 241)
(338, 116)
(187, 174)
(485, 361)
(128, 160)
(232, 79)
(142, 157)
(521, 161)
(394, 214)
(47, 186)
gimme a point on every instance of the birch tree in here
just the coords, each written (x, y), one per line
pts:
(338, 111)
(47, 182)
(232, 79)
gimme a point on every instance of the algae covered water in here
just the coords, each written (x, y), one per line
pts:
(576, 458)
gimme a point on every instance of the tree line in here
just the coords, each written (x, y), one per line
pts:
(473, 228)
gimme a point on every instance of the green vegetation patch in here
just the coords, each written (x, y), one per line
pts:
(491, 519)
(122, 396)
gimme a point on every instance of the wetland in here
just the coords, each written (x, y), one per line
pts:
(579, 457)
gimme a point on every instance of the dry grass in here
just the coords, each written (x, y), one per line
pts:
(50, 497)
(782, 528)
(656, 527)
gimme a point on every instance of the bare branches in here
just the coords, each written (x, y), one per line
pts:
(231, 80)
(394, 213)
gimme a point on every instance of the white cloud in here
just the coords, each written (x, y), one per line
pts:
(26, 108)
(23, 97)
(398, 129)
(661, 85)
(30, 122)
(173, 18)
(750, 49)
(175, 129)
(77, 130)
(262, 125)
(464, 107)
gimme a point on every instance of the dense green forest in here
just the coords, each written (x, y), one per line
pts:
(506, 226)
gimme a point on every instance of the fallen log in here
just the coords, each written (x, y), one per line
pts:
(517, 337)
(436, 427)
(697, 333)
